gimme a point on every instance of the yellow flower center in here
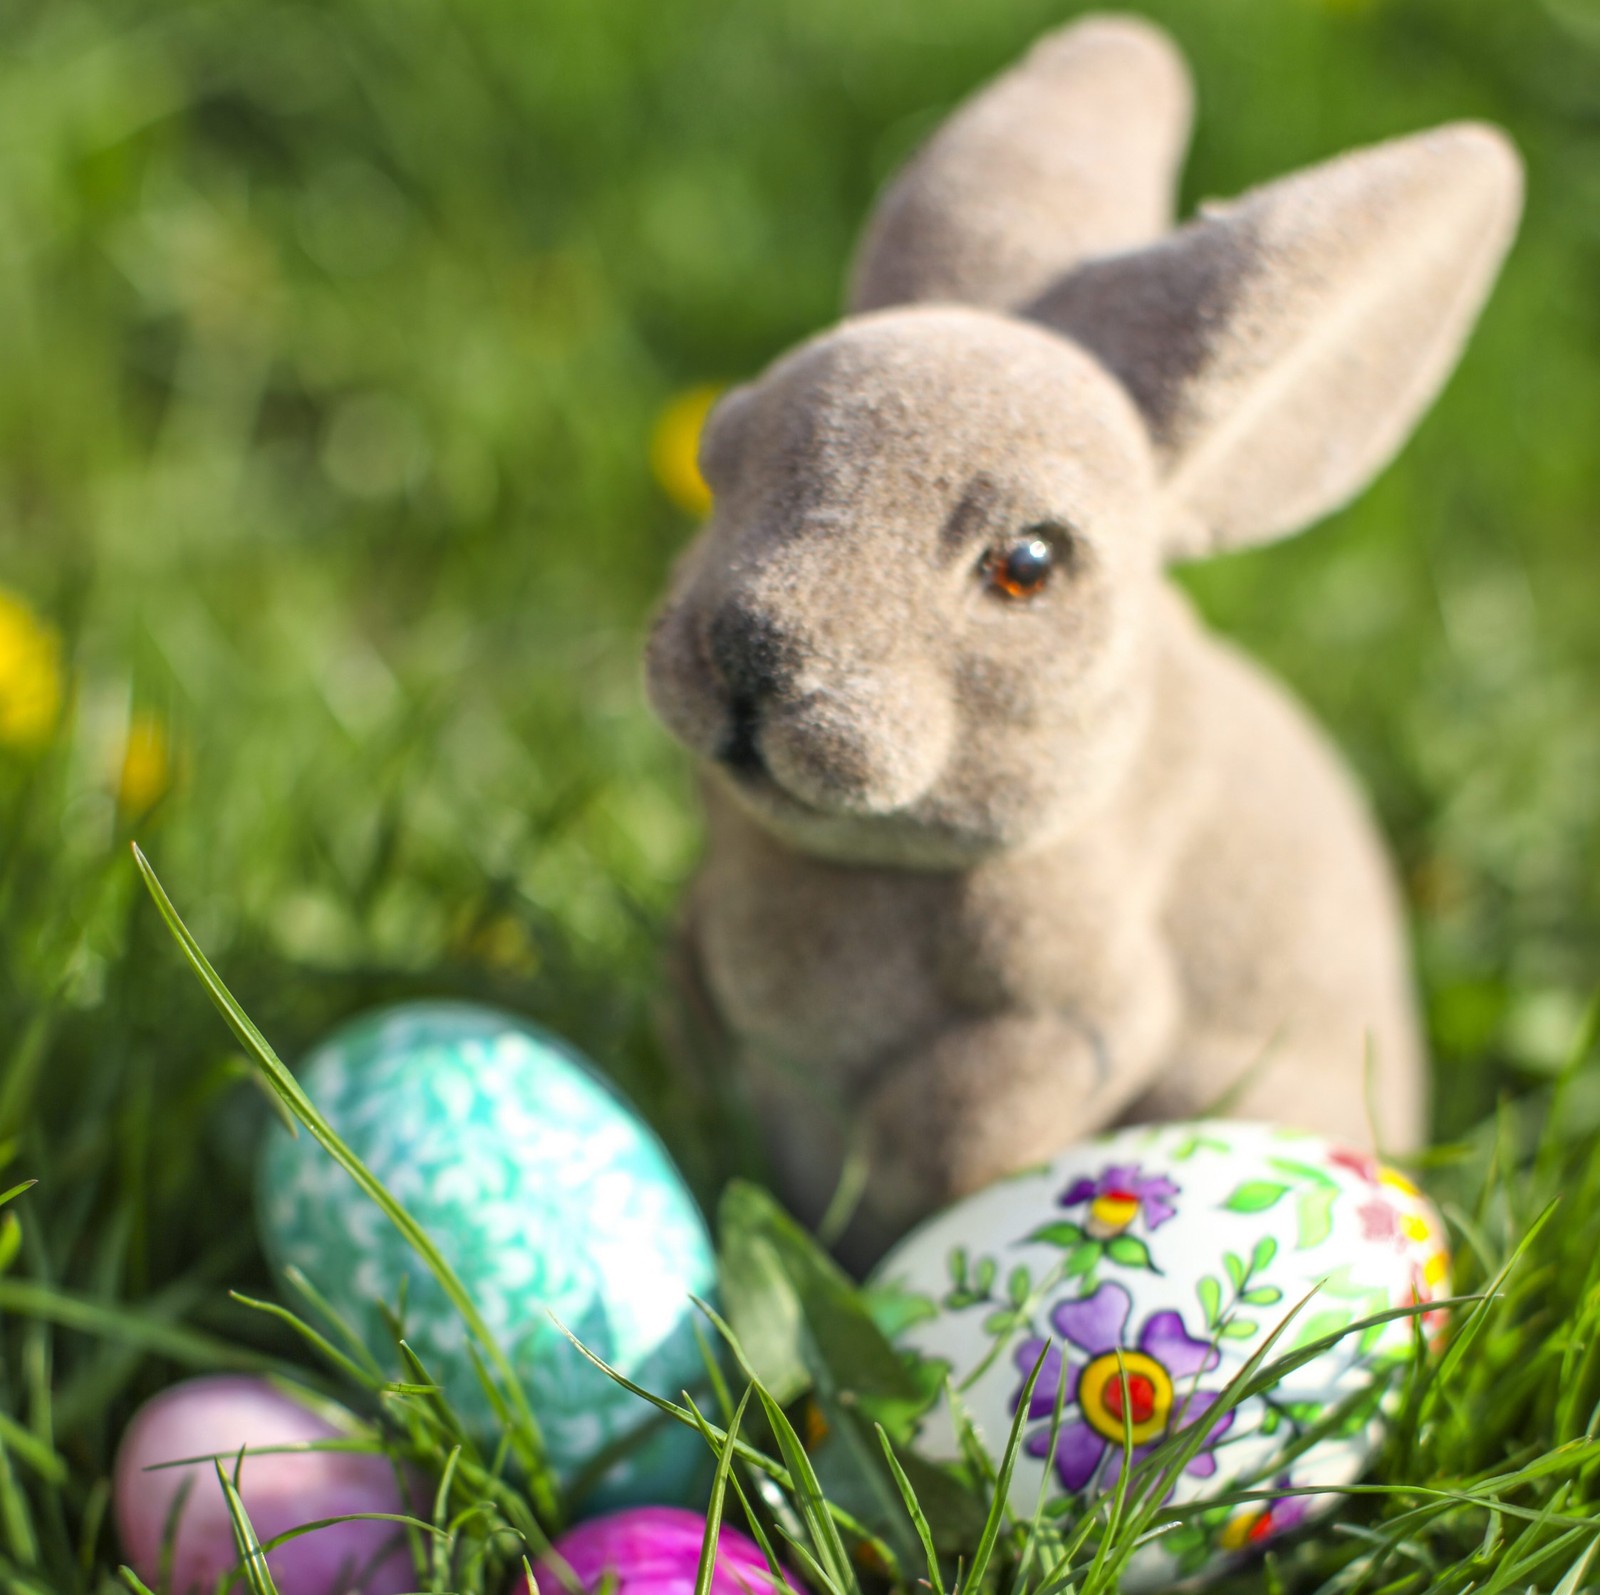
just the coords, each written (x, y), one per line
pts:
(1111, 1212)
(1146, 1404)
(1241, 1530)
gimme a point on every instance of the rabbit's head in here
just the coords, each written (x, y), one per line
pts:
(919, 625)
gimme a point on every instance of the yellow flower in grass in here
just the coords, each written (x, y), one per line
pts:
(503, 943)
(675, 448)
(30, 675)
(145, 776)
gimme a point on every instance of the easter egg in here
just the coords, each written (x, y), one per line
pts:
(546, 1193)
(1145, 1268)
(655, 1550)
(217, 1416)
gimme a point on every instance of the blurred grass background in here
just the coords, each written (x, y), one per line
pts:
(333, 341)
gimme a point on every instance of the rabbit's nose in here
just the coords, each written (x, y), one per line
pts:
(751, 653)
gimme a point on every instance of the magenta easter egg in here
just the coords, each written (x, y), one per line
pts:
(218, 1415)
(655, 1550)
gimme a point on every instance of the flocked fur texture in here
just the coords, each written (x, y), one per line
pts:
(989, 870)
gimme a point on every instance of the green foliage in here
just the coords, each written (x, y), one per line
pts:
(334, 335)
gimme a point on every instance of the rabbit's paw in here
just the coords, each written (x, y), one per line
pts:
(990, 1096)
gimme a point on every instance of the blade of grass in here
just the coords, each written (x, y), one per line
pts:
(252, 1560)
(974, 1452)
(541, 1480)
(1110, 1549)
(1034, 1539)
(357, 1347)
(16, 1515)
(1572, 1579)
(804, 1486)
(919, 1519)
(420, 1524)
(780, 1579)
(748, 1453)
(1000, 1505)
(29, 1448)
(128, 1324)
(811, 1570)
(440, 1551)
(807, 1492)
(719, 1385)
(313, 1338)
(719, 1489)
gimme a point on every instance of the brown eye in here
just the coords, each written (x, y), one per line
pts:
(1019, 569)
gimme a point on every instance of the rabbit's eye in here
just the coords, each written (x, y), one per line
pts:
(1019, 569)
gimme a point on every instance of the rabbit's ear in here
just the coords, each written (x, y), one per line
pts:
(1282, 347)
(1071, 153)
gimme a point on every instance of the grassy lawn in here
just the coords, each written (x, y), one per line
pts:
(334, 341)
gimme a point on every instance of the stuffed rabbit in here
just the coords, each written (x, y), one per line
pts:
(1003, 846)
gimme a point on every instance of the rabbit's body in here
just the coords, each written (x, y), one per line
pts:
(1148, 963)
(1002, 844)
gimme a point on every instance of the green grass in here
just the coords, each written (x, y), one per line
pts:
(333, 338)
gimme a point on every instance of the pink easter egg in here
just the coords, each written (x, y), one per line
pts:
(655, 1550)
(218, 1415)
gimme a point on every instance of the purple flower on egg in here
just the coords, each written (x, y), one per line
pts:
(1117, 1196)
(1162, 1364)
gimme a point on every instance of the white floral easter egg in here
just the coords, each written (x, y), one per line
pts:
(1147, 1267)
(545, 1192)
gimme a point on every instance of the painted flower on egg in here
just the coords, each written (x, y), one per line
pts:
(1140, 1273)
(1254, 1527)
(1110, 1203)
(1162, 1363)
(1117, 1196)
(1397, 1215)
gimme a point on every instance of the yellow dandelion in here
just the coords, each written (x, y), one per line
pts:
(675, 448)
(504, 944)
(146, 773)
(30, 675)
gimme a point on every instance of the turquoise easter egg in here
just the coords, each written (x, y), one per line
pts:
(546, 1193)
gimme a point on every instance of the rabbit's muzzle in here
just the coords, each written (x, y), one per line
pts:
(853, 736)
(756, 664)
(867, 743)
(751, 654)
